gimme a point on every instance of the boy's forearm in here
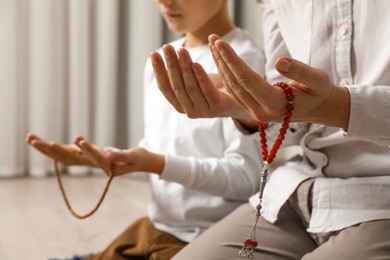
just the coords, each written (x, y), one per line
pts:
(154, 163)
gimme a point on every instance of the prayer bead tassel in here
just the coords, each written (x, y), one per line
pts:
(250, 243)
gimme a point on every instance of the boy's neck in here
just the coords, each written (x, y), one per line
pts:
(220, 25)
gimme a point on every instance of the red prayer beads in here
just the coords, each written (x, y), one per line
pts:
(250, 243)
(283, 130)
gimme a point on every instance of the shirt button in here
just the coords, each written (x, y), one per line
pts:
(343, 82)
(343, 30)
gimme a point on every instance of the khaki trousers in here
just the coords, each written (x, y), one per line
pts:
(141, 240)
(287, 238)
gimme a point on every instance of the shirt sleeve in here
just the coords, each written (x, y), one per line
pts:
(233, 176)
(370, 113)
(274, 47)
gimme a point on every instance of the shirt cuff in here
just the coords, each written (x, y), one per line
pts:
(177, 169)
(370, 113)
(243, 129)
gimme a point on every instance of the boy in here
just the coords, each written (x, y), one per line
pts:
(200, 169)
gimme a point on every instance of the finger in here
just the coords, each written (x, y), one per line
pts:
(83, 148)
(41, 146)
(216, 58)
(66, 154)
(30, 137)
(264, 101)
(232, 82)
(94, 154)
(163, 82)
(78, 139)
(97, 156)
(303, 74)
(212, 39)
(204, 81)
(244, 80)
(206, 85)
(176, 77)
(190, 81)
(47, 149)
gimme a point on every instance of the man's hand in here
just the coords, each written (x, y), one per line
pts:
(316, 100)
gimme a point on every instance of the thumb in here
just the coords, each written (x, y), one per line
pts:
(301, 72)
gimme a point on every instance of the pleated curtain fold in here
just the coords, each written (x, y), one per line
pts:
(71, 67)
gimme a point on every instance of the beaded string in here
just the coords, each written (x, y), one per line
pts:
(250, 242)
(79, 216)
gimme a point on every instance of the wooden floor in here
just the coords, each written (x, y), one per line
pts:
(35, 223)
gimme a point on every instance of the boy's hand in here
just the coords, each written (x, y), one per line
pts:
(80, 152)
(135, 159)
(190, 89)
(66, 154)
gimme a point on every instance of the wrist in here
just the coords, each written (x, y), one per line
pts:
(247, 128)
(154, 163)
(244, 121)
(335, 110)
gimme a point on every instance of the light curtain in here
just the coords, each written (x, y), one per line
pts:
(72, 67)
